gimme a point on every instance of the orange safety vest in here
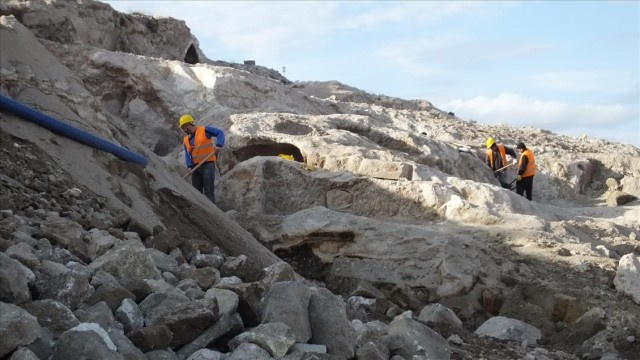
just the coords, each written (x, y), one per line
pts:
(530, 170)
(503, 155)
(202, 146)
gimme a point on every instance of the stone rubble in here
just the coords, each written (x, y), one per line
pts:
(397, 241)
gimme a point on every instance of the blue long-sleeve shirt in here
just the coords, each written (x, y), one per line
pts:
(209, 132)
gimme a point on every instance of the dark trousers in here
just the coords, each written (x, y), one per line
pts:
(525, 185)
(203, 179)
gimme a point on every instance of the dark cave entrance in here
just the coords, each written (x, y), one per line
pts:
(273, 149)
(191, 57)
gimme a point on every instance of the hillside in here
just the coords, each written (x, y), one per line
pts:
(386, 236)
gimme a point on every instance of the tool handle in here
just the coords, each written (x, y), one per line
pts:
(504, 167)
(200, 164)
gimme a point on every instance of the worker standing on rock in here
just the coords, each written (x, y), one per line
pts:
(201, 154)
(526, 170)
(497, 160)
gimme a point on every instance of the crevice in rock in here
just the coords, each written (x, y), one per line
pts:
(304, 262)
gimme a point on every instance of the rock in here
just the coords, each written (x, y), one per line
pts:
(99, 242)
(161, 355)
(24, 254)
(249, 351)
(52, 315)
(224, 325)
(589, 324)
(99, 314)
(612, 184)
(287, 302)
(185, 318)
(372, 351)
(112, 294)
(385, 170)
(164, 262)
(68, 288)
(125, 346)
(88, 341)
(128, 262)
(17, 328)
(439, 314)
(72, 193)
(14, 287)
(150, 338)
(275, 337)
(205, 277)
(242, 267)
(44, 345)
(138, 227)
(617, 198)
(23, 354)
(206, 354)
(227, 300)
(329, 324)
(166, 241)
(373, 331)
(455, 339)
(501, 327)
(207, 260)
(129, 315)
(408, 337)
(62, 230)
(627, 278)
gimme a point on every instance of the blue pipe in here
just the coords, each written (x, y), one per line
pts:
(69, 131)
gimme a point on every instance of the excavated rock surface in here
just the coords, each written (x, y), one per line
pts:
(387, 203)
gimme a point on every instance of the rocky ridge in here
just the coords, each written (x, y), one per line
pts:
(386, 204)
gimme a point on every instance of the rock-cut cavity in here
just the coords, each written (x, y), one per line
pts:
(270, 149)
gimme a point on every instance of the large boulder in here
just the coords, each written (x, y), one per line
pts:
(17, 328)
(501, 327)
(409, 338)
(14, 286)
(128, 262)
(627, 278)
(185, 318)
(88, 341)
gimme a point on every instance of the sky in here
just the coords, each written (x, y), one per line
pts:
(571, 67)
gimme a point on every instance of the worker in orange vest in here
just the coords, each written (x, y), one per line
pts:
(526, 170)
(201, 154)
(497, 159)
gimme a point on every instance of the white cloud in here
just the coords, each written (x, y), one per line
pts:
(266, 29)
(584, 81)
(515, 109)
(615, 121)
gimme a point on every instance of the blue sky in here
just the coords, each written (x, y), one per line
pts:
(572, 67)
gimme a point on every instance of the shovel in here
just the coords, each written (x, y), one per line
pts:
(200, 164)
(504, 167)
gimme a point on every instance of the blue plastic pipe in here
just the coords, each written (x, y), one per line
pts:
(69, 131)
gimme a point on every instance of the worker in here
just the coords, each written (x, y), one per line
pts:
(497, 159)
(201, 154)
(526, 170)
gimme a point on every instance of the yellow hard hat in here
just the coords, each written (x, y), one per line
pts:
(185, 119)
(490, 142)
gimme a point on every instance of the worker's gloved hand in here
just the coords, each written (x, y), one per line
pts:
(519, 177)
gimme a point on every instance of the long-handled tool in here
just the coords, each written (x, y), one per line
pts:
(200, 164)
(504, 167)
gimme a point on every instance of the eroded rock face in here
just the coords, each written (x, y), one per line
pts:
(96, 24)
(386, 202)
